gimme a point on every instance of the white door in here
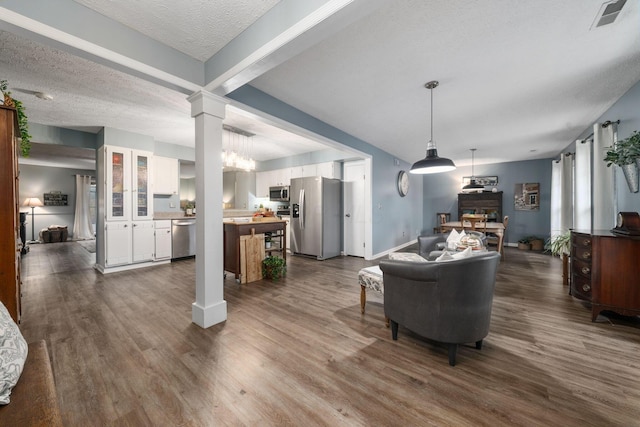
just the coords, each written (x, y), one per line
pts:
(354, 218)
(163, 239)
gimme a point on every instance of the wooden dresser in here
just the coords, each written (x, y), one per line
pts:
(9, 214)
(605, 270)
(487, 202)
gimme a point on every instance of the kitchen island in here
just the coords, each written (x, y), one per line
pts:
(233, 256)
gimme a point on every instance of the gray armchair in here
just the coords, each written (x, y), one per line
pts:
(448, 302)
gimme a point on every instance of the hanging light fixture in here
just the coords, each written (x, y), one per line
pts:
(432, 163)
(472, 185)
(239, 145)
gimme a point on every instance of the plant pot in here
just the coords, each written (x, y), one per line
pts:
(267, 245)
(537, 245)
(631, 175)
(524, 246)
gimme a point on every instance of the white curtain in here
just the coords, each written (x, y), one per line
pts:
(604, 197)
(82, 223)
(561, 195)
(582, 207)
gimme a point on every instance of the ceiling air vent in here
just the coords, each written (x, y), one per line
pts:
(608, 13)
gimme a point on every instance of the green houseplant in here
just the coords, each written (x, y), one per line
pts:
(23, 125)
(560, 244)
(273, 267)
(626, 154)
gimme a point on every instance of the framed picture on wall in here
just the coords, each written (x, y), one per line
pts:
(527, 197)
(482, 180)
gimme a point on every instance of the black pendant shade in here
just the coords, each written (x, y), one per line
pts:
(472, 185)
(432, 163)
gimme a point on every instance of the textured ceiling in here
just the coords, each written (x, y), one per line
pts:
(518, 80)
(199, 28)
(514, 76)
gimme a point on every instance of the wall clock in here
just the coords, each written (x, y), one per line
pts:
(403, 183)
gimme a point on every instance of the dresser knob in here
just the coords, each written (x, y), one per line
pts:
(586, 255)
(586, 270)
(586, 242)
(586, 288)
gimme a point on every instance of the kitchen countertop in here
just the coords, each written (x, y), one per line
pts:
(171, 215)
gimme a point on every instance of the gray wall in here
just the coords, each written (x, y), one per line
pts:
(37, 180)
(441, 195)
(396, 220)
(627, 110)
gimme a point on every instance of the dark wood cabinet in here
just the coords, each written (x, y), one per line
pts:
(9, 214)
(233, 231)
(605, 270)
(487, 202)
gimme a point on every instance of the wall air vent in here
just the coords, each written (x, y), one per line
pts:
(608, 13)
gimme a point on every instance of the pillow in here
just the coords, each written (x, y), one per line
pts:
(446, 256)
(13, 354)
(454, 238)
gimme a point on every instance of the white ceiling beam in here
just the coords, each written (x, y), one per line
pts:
(286, 30)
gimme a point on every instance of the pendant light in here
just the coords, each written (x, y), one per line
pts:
(472, 183)
(432, 163)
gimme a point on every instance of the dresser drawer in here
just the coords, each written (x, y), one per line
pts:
(581, 267)
(581, 287)
(581, 240)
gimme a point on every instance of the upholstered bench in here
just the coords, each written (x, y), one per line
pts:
(371, 277)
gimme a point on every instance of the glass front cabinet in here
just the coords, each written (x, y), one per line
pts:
(129, 196)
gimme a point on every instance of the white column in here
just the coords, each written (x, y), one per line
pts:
(210, 307)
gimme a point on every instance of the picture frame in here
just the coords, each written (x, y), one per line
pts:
(527, 197)
(487, 181)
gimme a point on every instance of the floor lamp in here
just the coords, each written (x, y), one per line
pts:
(32, 202)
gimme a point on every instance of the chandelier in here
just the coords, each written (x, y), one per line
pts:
(237, 146)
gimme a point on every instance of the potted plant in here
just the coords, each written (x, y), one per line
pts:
(267, 239)
(523, 244)
(23, 125)
(273, 267)
(626, 154)
(560, 244)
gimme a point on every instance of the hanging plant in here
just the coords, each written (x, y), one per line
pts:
(23, 125)
(626, 154)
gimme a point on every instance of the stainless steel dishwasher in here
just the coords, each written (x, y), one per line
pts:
(183, 237)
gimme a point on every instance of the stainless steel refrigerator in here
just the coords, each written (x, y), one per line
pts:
(316, 215)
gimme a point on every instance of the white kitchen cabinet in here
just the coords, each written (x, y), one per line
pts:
(281, 176)
(125, 233)
(127, 184)
(162, 230)
(166, 179)
(262, 183)
(141, 173)
(296, 172)
(329, 170)
(117, 243)
(142, 241)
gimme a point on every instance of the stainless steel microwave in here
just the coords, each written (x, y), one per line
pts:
(279, 193)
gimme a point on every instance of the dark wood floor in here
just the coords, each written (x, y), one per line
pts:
(298, 351)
